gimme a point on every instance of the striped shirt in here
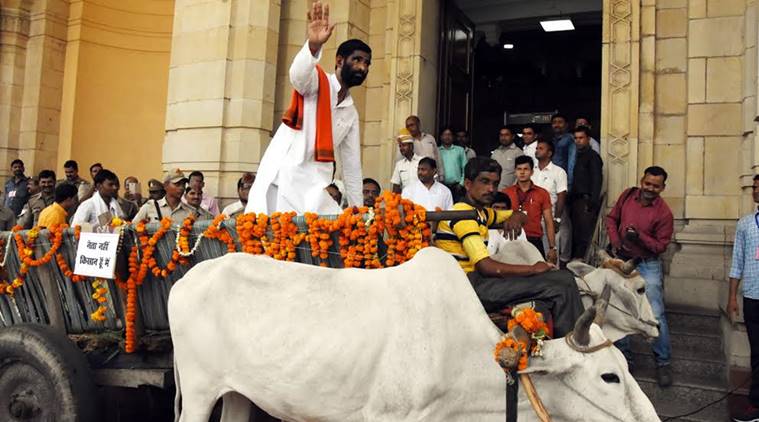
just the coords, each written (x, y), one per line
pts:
(745, 264)
(467, 240)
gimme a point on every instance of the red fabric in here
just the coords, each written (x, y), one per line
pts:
(293, 117)
(654, 224)
(534, 201)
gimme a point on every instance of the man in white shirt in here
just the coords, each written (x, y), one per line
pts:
(243, 189)
(594, 145)
(424, 143)
(427, 192)
(102, 205)
(405, 171)
(298, 164)
(530, 138)
(496, 239)
(553, 178)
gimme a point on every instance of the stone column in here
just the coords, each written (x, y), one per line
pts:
(412, 51)
(221, 88)
(620, 95)
(14, 35)
(43, 85)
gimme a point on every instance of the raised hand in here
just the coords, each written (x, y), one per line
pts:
(319, 27)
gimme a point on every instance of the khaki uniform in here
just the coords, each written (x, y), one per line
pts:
(177, 215)
(201, 213)
(30, 215)
(7, 218)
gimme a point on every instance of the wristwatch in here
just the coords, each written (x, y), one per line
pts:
(552, 248)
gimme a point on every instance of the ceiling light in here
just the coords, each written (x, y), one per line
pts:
(508, 46)
(557, 25)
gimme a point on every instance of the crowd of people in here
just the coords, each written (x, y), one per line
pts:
(552, 185)
(556, 181)
(43, 201)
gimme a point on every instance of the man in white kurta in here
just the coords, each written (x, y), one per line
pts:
(289, 178)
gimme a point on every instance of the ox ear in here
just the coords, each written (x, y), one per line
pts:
(580, 269)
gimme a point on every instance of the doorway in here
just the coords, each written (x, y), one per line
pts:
(519, 73)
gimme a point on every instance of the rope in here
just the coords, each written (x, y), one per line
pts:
(584, 349)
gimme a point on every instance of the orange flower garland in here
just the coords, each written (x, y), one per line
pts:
(216, 231)
(100, 290)
(250, 230)
(532, 322)
(399, 222)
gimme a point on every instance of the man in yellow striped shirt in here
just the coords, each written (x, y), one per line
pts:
(499, 284)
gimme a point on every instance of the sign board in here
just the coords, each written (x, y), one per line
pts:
(96, 254)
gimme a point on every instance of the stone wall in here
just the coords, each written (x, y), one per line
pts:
(33, 38)
(115, 79)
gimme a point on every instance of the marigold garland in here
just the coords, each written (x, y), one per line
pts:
(99, 287)
(532, 322)
(358, 229)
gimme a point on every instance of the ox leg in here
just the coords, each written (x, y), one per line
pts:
(236, 408)
(197, 406)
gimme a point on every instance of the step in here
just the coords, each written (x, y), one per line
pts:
(684, 396)
(689, 346)
(684, 319)
(690, 291)
(714, 369)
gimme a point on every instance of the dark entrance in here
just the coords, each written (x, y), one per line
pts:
(539, 74)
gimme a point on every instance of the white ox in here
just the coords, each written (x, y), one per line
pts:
(629, 309)
(408, 343)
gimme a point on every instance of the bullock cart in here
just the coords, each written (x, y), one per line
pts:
(53, 355)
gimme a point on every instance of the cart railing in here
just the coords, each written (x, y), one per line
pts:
(49, 297)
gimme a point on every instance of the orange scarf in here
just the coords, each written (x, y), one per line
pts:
(293, 117)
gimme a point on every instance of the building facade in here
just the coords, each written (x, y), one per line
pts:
(147, 85)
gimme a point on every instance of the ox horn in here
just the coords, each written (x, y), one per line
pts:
(628, 266)
(581, 333)
(601, 304)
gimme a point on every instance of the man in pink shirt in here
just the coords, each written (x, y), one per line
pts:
(208, 203)
(640, 227)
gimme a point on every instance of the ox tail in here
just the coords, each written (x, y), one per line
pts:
(178, 394)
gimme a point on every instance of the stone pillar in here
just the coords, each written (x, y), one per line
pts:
(620, 95)
(43, 85)
(221, 88)
(14, 35)
(412, 46)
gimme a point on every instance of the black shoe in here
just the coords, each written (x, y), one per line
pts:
(749, 414)
(664, 376)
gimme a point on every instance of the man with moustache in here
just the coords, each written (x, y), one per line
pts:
(320, 125)
(640, 227)
(498, 284)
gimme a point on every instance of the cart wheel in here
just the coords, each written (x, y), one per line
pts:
(43, 377)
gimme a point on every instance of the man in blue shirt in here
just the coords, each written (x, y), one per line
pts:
(745, 267)
(16, 189)
(564, 146)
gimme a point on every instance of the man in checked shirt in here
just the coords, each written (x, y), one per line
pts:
(745, 267)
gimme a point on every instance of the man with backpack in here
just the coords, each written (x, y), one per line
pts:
(640, 227)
